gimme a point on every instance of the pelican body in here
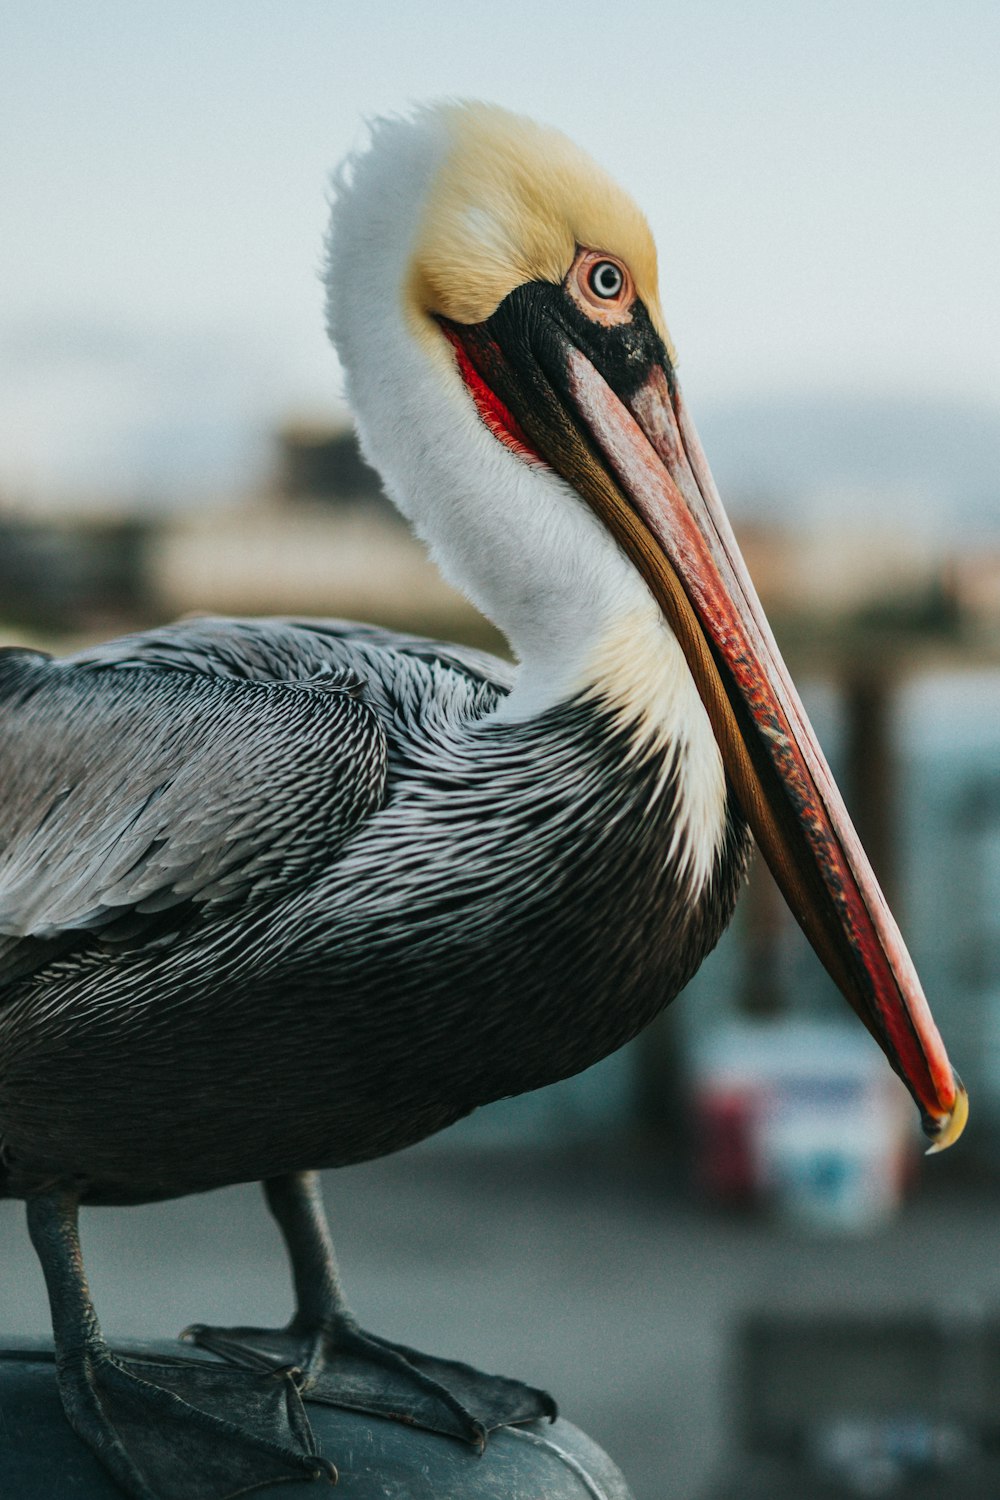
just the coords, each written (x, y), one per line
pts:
(431, 934)
(281, 895)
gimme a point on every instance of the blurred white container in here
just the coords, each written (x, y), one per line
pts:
(807, 1116)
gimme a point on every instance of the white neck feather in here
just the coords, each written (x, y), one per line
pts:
(515, 538)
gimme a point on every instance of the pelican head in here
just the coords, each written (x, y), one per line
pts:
(494, 299)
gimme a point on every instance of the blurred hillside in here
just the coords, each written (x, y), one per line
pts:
(313, 534)
(811, 461)
(802, 462)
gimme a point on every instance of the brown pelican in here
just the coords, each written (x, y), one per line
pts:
(282, 895)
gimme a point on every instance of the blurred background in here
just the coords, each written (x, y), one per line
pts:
(720, 1249)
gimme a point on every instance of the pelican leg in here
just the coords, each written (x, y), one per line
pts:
(180, 1429)
(343, 1365)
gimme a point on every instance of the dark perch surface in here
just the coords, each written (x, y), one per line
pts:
(42, 1459)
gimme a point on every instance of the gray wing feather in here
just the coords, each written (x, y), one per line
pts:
(293, 650)
(130, 792)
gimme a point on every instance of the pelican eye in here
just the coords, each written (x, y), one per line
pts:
(601, 287)
(606, 280)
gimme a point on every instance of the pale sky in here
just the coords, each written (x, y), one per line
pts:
(823, 181)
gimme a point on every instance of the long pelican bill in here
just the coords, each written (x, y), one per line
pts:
(601, 406)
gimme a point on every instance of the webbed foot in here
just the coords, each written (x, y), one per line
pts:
(166, 1429)
(343, 1365)
(186, 1431)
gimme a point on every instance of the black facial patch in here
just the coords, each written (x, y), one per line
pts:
(521, 350)
(542, 316)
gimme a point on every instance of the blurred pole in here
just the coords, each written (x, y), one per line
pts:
(870, 772)
(662, 1088)
(766, 919)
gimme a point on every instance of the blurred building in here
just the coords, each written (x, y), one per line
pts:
(320, 463)
(320, 539)
(72, 574)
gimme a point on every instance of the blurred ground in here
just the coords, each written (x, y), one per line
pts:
(590, 1275)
